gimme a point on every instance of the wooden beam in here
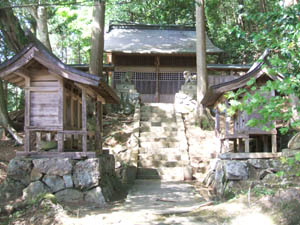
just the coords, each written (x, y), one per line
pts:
(43, 89)
(263, 155)
(15, 79)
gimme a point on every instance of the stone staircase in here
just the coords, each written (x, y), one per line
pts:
(163, 152)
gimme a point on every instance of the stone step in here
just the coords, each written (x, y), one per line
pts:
(160, 134)
(150, 163)
(162, 123)
(163, 173)
(154, 138)
(166, 157)
(152, 129)
(162, 151)
(147, 173)
(161, 144)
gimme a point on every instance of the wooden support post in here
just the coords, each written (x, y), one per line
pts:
(27, 141)
(38, 141)
(27, 115)
(265, 140)
(84, 128)
(157, 79)
(72, 117)
(62, 111)
(226, 145)
(99, 127)
(257, 144)
(221, 145)
(240, 142)
(226, 119)
(48, 136)
(235, 145)
(60, 142)
(217, 124)
(247, 145)
(274, 143)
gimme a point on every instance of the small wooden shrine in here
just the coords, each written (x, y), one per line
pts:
(56, 102)
(234, 128)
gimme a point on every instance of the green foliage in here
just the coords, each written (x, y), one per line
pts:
(278, 30)
(152, 11)
(262, 191)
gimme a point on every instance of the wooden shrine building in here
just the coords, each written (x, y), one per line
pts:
(157, 56)
(56, 101)
(234, 128)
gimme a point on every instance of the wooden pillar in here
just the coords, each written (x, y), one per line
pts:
(27, 115)
(38, 141)
(72, 117)
(60, 141)
(217, 124)
(274, 143)
(240, 142)
(227, 119)
(27, 140)
(157, 97)
(84, 118)
(62, 110)
(265, 140)
(99, 127)
(226, 145)
(257, 144)
(247, 145)
(235, 145)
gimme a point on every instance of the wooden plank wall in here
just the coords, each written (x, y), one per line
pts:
(44, 96)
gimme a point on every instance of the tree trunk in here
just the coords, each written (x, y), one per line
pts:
(4, 118)
(11, 29)
(97, 39)
(15, 39)
(202, 80)
(40, 15)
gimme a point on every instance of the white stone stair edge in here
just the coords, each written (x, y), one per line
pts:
(181, 133)
(134, 138)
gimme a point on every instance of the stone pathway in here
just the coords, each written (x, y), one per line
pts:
(149, 202)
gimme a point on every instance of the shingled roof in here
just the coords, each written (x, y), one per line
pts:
(216, 91)
(154, 39)
(35, 53)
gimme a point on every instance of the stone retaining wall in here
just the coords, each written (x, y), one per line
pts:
(233, 176)
(92, 181)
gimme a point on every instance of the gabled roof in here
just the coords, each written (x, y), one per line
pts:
(36, 53)
(216, 91)
(154, 39)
